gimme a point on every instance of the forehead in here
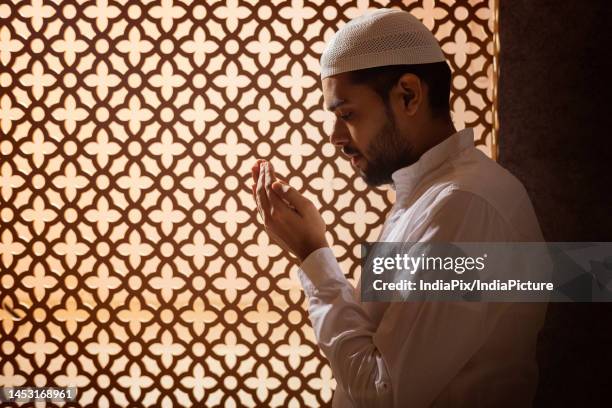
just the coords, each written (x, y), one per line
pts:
(333, 90)
(338, 90)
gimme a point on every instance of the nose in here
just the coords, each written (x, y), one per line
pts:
(340, 136)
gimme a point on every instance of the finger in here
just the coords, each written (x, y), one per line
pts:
(254, 192)
(280, 210)
(271, 171)
(261, 196)
(256, 167)
(255, 170)
(301, 203)
(280, 195)
(278, 206)
(267, 179)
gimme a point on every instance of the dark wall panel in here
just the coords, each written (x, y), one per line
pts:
(555, 136)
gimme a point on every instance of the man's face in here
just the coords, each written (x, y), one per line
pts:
(366, 130)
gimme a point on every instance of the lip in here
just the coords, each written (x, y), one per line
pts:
(355, 160)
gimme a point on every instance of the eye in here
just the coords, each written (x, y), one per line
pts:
(346, 116)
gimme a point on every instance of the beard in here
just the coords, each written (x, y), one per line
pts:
(387, 152)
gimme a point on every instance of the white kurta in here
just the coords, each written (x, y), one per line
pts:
(441, 354)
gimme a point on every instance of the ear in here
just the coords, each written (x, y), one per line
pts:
(409, 94)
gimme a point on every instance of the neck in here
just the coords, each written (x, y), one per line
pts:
(439, 131)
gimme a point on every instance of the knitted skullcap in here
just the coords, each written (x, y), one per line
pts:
(382, 37)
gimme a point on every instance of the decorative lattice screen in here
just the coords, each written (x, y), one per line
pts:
(132, 265)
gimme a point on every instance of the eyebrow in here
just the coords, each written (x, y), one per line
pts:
(334, 105)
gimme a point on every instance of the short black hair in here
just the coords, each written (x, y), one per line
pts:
(436, 75)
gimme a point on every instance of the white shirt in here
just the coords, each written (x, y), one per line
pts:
(441, 354)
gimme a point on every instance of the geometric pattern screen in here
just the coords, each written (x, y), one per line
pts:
(132, 263)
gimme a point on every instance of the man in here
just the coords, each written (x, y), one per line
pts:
(385, 77)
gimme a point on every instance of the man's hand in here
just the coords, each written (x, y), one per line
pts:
(290, 219)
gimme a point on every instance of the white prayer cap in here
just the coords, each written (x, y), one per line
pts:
(382, 37)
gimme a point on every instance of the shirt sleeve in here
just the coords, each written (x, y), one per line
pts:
(418, 347)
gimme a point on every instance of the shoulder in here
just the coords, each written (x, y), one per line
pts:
(476, 173)
(477, 187)
(460, 215)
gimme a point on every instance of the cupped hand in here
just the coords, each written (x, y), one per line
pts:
(291, 220)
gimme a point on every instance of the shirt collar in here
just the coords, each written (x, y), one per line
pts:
(406, 178)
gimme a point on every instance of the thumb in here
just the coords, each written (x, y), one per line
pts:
(292, 196)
